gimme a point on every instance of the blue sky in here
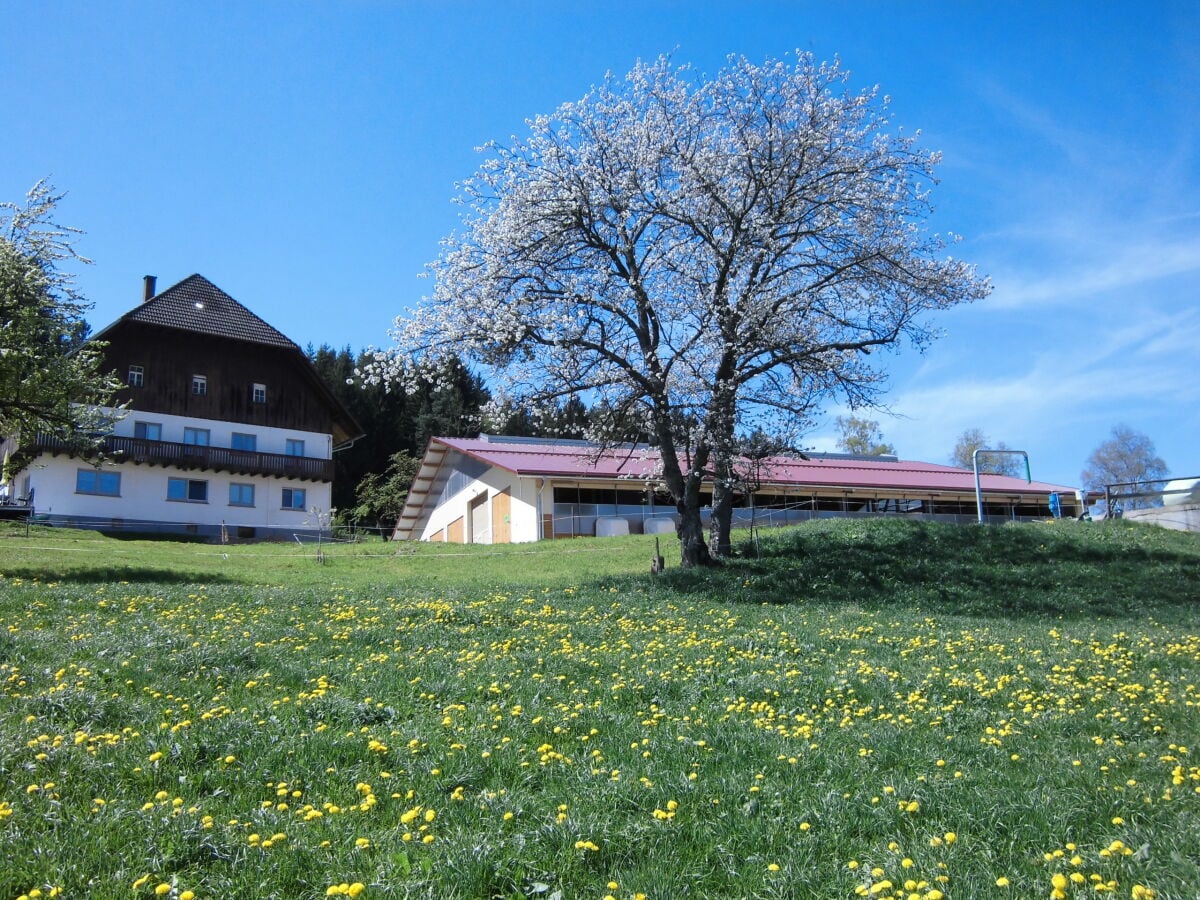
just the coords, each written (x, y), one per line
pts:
(303, 156)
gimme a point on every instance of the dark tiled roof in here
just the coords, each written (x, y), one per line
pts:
(196, 304)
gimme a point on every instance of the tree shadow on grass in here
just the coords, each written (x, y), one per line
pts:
(106, 574)
(1064, 569)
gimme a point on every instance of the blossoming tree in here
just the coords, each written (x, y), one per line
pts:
(705, 256)
(50, 379)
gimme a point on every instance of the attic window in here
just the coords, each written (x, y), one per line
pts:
(259, 393)
(199, 385)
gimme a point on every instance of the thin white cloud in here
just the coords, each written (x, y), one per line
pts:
(1132, 264)
(1145, 367)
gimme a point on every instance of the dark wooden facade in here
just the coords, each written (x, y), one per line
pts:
(170, 358)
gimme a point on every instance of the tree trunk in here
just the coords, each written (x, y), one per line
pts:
(720, 542)
(693, 550)
(684, 481)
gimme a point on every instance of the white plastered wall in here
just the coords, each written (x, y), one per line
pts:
(143, 491)
(143, 498)
(523, 506)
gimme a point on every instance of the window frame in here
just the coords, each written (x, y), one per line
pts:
(290, 446)
(240, 487)
(98, 479)
(258, 393)
(292, 494)
(142, 431)
(199, 385)
(188, 485)
(247, 436)
(136, 376)
(190, 431)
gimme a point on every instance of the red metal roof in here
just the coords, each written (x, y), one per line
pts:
(577, 460)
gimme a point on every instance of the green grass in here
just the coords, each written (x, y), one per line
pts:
(814, 719)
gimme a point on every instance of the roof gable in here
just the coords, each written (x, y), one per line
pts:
(197, 305)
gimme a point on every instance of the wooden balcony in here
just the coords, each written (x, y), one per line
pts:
(192, 456)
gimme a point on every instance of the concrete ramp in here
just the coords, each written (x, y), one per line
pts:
(1183, 517)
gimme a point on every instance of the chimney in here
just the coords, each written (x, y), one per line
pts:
(148, 286)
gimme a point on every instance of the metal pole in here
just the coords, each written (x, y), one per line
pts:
(979, 489)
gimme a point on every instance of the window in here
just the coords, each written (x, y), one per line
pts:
(293, 498)
(241, 495)
(294, 447)
(259, 393)
(93, 481)
(147, 431)
(136, 376)
(187, 490)
(196, 436)
(199, 385)
(241, 441)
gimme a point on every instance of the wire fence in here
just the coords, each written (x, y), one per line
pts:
(1125, 495)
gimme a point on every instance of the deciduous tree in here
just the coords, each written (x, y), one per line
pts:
(703, 255)
(50, 380)
(1128, 458)
(862, 436)
(973, 439)
(379, 498)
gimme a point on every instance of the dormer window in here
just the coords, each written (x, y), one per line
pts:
(258, 393)
(199, 385)
(137, 376)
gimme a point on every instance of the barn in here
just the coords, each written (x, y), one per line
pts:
(498, 490)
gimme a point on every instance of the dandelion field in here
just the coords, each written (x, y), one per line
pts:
(882, 709)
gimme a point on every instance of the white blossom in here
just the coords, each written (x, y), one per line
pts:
(710, 255)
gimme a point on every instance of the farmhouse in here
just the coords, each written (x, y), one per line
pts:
(498, 490)
(227, 429)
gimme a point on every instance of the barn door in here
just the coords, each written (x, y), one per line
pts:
(502, 517)
(477, 513)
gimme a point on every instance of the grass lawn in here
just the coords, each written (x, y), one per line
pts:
(875, 708)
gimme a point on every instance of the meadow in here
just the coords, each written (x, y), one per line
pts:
(874, 708)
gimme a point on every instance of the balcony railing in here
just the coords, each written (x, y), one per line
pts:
(193, 456)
